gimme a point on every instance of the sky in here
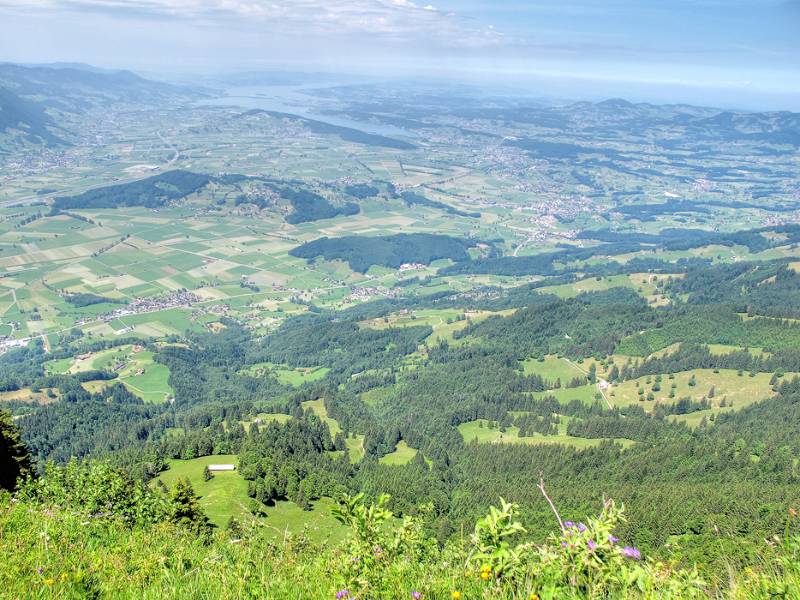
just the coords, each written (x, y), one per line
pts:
(727, 52)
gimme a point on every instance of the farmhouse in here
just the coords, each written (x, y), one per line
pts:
(227, 467)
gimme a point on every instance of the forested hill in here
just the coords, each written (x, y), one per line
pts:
(27, 117)
(152, 192)
(361, 252)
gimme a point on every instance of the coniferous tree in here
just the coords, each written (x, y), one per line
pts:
(186, 510)
(14, 459)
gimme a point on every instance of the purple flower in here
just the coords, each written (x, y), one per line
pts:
(569, 524)
(563, 544)
(342, 594)
(592, 545)
(581, 527)
(632, 552)
(416, 595)
(612, 539)
(39, 570)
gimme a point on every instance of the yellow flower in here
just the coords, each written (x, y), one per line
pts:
(64, 577)
(485, 575)
(534, 596)
(49, 581)
(468, 573)
(456, 595)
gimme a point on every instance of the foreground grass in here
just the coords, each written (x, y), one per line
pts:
(57, 553)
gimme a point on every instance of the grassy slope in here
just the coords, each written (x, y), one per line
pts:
(473, 430)
(354, 445)
(225, 496)
(552, 368)
(739, 391)
(402, 455)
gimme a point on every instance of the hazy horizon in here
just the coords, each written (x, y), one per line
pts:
(738, 54)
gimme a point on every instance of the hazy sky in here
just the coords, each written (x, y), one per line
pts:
(744, 51)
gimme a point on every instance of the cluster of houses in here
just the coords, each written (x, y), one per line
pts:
(361, 294)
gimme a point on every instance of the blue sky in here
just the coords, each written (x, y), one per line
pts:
(725, 51)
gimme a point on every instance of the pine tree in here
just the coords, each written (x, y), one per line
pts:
(234, 528)
(592, 375)
(14, 459)
(339, 441)
(207, 475)
(186, 509)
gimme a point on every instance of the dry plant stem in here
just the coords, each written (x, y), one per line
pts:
(549, 501)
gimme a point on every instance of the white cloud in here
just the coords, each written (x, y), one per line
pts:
(401, 20)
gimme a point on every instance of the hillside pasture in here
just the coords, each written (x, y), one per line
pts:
(552, 368)
(402, 455)
(737, 390)
(135, 369)
(287, 375)
(481, 431)
(222, 497)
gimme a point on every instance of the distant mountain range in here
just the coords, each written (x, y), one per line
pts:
(32, 96)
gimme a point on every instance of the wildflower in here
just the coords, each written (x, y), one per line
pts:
(64, 577)
(456, 595)
(49, 581)
(592, 545)
(486, 572)
(534, 596)
(581, 527)
(612, 539)
(564, 544)
(416, 595)
(569, 524)
(40, 570)
(342, 594)
(632, 552)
